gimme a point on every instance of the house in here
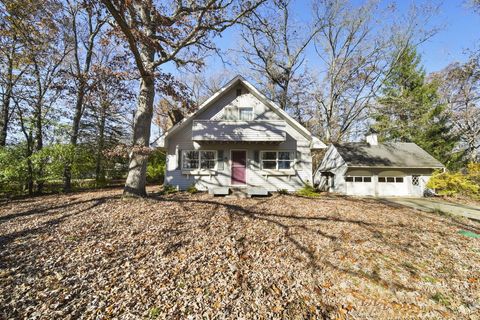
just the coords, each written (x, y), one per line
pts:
(239, 139)
(376, 169)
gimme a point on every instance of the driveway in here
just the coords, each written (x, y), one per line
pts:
(430, 205)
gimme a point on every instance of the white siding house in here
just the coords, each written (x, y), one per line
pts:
(239, 138)
(376, 169)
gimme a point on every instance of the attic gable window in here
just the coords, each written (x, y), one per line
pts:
(245, 114)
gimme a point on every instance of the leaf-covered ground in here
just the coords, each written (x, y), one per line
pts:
(95, 256)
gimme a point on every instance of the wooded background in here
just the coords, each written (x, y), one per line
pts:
(82, 83)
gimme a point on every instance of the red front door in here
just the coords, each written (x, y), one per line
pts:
(239, 167)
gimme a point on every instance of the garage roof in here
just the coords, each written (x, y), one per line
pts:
(393, 154)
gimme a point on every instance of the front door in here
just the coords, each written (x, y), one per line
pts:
(239, 167)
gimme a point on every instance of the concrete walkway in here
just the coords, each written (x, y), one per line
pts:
(430, 205)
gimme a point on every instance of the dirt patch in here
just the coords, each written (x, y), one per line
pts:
(95, 255)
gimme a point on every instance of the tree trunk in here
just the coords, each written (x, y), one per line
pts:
(99, 172)
(136, 180)
(4, 120)
(39, 143)
(67, 173)
(5, 112)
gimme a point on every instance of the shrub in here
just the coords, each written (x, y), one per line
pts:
(156, 166)
(168, 188)
(456, 183)
(308, 191)
(282, 191)
(192, 189)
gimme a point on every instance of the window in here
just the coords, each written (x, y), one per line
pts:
(416, 180)
(245, 114)
(277, 160)
(190, 159)
(358, 179)
(207, 159)
(239, 92)
(194, 159)
(390, 179)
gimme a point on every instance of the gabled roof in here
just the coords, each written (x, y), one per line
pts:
(239, 79)
(392, 154)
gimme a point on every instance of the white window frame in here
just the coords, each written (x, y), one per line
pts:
(357, 177)
(252, 115)
(199, 167)
(395, 178)
(277, 160)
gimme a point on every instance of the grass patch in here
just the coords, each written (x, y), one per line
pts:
(441, 298)
(308, 191)
(153, 313)
(192, 189)
(169, 189)
(283, 191)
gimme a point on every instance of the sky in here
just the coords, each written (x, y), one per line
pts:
(459, 30)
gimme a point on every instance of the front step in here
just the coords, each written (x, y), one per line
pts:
(238, 193)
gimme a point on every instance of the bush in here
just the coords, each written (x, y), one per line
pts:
(308, 191)
(192, 189)
(168, 188)
(156, 166)
(283, 191)
(457, 183)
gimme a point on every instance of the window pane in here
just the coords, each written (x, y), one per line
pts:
(381, 179)
(399, 179)
(207, 159)
(267, 164)
(390, 179)
(349, 179)
(415, 180)
(367, 179)
(358, 179)
(190, 159)
(284, 164)
(246, 114)
(285, 155)
(269, 155)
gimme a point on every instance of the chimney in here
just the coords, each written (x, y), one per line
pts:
(371, 137)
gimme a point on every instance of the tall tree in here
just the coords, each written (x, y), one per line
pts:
(359, 44)
(87, 20)
(159, 32)
(274, 51)
(410, 110)
(460, 89)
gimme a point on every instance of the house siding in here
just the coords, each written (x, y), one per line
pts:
(255, 176)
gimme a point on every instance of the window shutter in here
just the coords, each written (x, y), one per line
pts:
(298, 159)
(179, 160)
(256, 158)
(220, 160)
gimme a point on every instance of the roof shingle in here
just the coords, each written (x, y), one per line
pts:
(392, 154)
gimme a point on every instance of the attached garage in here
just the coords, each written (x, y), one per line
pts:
(372, 169)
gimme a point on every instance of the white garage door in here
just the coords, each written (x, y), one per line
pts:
(360, 185)
(392, 186)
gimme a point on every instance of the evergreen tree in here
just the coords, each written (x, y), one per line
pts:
(410, 110)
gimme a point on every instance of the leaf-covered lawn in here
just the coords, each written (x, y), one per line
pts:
(95, 255)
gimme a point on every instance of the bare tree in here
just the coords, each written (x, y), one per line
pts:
(359, 46)
(158, 32)
(460, 87)
(86, 23)
(274, 48)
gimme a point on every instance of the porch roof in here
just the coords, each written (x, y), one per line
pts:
(238, 131)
